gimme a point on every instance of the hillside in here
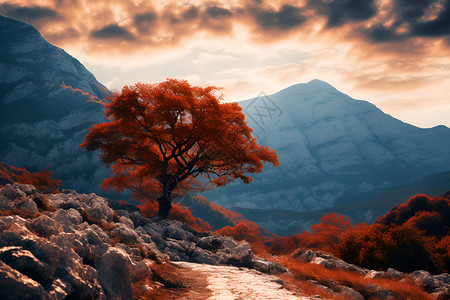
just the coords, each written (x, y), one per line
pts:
(42, 123)
(332, 148)
(71, 245)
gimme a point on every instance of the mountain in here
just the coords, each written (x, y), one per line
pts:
(42, 123)
(330, 146)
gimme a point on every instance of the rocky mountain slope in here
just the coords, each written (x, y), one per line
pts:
(42, 123)
(75, 245)
(331, 147)
(78, 246)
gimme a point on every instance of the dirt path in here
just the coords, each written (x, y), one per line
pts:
(227, 282)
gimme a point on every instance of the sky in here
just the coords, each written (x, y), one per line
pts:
(393, 53)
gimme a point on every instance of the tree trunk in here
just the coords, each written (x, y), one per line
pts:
(164, 206)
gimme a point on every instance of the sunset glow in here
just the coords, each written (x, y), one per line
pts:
(393, 53)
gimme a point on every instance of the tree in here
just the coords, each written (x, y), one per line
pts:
(166, 136)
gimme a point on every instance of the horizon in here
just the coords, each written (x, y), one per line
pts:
(392, 54)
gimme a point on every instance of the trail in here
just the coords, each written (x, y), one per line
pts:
(228, 282)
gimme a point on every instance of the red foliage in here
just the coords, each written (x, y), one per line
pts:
(247, 231)
(229, 215)
(9, 174)
(412, 236)
(43, 181)
(160, 135)
(179, 213)
(323, 236)
(416, 208)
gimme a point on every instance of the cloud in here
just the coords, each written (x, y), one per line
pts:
(437, 27)
(287, 17)
(145, 21)
(30, 13)
(217, 12)
(113, 31)
(339, 12)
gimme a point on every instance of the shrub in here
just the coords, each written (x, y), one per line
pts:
(179, 213)
(43, 181)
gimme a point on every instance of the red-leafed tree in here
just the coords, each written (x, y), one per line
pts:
(162, 137)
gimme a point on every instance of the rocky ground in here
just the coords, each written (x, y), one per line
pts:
(80, 246)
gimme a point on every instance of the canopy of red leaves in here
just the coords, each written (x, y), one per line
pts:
(160, 135)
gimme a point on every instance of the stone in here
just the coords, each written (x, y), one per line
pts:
(28, 189)
(26, 263)
(28, 208)
(350, 293)
(11, 193)
(204, 257)
(45, 226)
(175, 232)
(5, 203)
(211, 243)
(423, 278)
(114, 274)
(377, 292)
(127, 222)
(16, 286)
(125, 234)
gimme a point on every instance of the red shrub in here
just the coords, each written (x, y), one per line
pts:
(9, 174)
(43, 181)
(179, 213)
(246, 231)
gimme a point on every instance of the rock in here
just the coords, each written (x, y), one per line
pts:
(45, 226)
(323, 288)
(98, 208)
(241, 256)
(174, 231)
(156, 236)
(11, 193)
(67, 219)
(28, 208)
(69, 203)
(307, 255)
(127, 222)
(350, 293)
(26, 263)
(114, 274)
(5, 203)
(377, 292)
(138, 219)
(43, 202)
(125, 234)
(423, 278)
(14, 285)
(28, 189)
(69, 191)
(204, 257)
(211, 243)
(443, 278)
(393, 273)
(268, 267)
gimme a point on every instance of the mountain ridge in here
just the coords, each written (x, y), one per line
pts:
(42, 122)
(330, 144)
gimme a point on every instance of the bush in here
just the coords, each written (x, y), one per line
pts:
(43, 181)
